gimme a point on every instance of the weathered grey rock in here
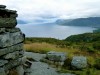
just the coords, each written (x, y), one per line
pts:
(11, 49)
(2, 6)
(8, 22)
(13, 15)
(20, 70)
(56, 56)
(79, 62)
(12, 30)
(2, 30)
(14, 55)
(3, 62)
(9, 39)
(12, 64)
(2, 71)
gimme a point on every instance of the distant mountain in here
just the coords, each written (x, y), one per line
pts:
(21, 22)
(91, 22)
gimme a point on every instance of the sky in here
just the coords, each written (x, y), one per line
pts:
(53, 9)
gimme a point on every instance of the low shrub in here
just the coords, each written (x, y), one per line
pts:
(97, 63)
(67, 63)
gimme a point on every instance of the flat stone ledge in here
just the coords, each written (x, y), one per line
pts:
(13, 63)
(2, 6)
(10, 30)
(8, 22)
(3, 62)
(9, 39)
(14, 55)
(17, 47)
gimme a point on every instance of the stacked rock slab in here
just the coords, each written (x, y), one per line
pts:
(11, 42)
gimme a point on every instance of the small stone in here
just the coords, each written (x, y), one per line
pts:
(2, 30)
(2, 71)
(20, 70)
(3, 62)
(79, 62)
(2, 6)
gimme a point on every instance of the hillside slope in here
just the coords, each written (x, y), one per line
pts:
(91, 22)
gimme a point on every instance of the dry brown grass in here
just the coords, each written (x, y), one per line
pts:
(45, 47)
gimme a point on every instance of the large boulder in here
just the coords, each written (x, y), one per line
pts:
(79, 62)
(56, 56)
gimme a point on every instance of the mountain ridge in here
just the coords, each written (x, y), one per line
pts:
(90, 21)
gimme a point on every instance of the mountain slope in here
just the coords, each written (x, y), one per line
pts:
(91, 22)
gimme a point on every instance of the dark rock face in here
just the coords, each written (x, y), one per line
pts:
(11, 42)
(2, 6)
(8, 22)
(7, 17)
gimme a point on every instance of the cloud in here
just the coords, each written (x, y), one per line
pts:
(36, 9)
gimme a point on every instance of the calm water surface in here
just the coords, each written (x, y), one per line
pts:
(54, 31)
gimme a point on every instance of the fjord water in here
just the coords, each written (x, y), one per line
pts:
(52, 30)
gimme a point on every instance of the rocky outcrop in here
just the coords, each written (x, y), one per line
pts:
(11, 43)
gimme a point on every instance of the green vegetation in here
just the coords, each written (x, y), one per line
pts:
(87, 41)
(87, 44)
(97, 30)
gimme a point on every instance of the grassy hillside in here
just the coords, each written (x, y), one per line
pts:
(87, 41)
(87, 44)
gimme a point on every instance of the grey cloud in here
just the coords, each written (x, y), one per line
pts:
(33, 9)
